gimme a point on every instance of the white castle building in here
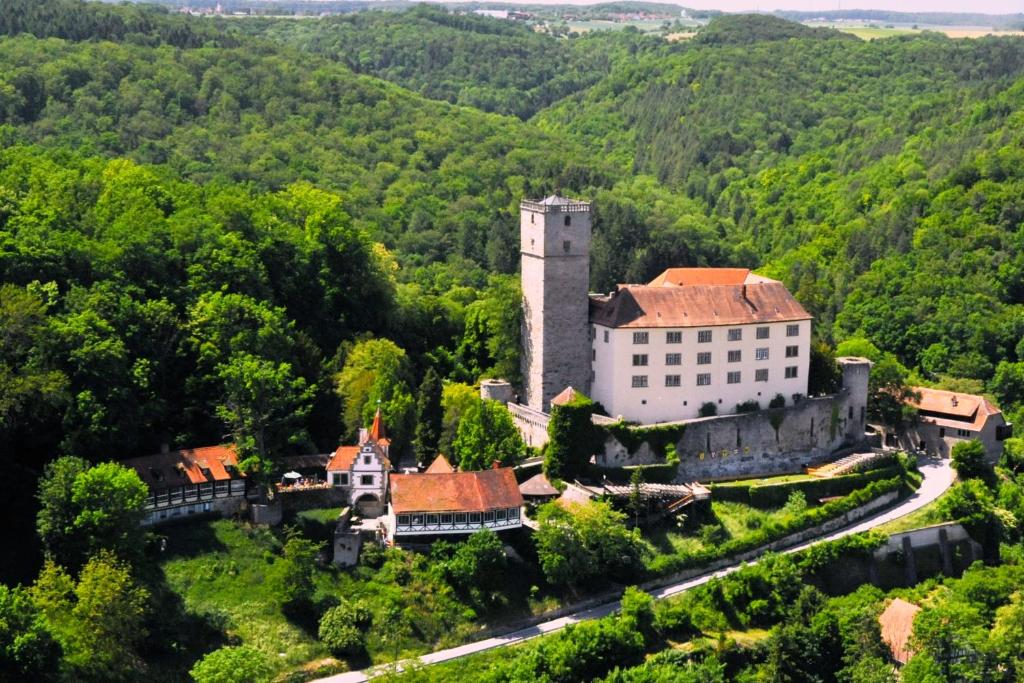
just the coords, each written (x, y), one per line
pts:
(652, 352)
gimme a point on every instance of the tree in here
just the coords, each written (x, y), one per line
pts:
(1008, 383)
(486, 435)
(969, 460)
(98, 620)
(572, 438)
(27, 649)
(478, 564)
(429, 417)
(455, 400)
(637, 504)
(26, 378)
(377, 370)
(239, 664)
(889, 393)
(293, 572)
(263, 405)
(860, 348)
(586, 543)
(84, 510)
(342, 628)
(823, 374)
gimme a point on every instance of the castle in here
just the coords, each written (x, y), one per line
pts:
(692, 343)
(655, 352)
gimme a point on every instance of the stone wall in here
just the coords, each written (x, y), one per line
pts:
(310, 499)
(765, 442)
(532, 424)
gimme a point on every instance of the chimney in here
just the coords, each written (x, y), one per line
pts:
(953, 399)
(496, 465)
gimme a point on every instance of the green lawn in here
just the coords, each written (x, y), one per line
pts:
(926, 516)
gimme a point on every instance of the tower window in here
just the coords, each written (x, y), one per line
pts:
(791, 372)
(568, 220)
(566, 246)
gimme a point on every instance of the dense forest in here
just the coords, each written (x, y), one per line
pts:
(207, 225)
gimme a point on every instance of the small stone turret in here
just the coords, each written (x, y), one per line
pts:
(856, 372)
(496, 390)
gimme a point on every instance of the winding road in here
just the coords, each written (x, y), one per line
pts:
(937, 477)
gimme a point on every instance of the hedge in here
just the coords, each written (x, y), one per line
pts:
(776, 495)
(776, 529)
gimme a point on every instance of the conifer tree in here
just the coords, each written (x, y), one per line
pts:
(429, 417)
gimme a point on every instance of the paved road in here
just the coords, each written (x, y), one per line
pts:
(938, 476)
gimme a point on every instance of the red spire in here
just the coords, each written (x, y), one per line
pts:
(377, 430)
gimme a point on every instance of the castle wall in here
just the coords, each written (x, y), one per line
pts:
(766, 442)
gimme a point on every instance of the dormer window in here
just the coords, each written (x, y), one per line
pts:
(366, 460)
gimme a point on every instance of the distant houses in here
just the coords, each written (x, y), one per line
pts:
(191, 481)
(362, 471)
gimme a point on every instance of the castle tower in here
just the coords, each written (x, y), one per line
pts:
(555, 248)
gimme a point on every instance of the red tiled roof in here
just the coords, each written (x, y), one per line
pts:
(178, 468)
(707, 276)
(455, 492)
(377, 429)
(897, 622)
(440, 466)
(538, 485)
(343, 458)
(564, 397)
(954, 409)
(696, 305)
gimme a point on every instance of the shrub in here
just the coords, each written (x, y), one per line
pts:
(341, 628)
(778, 402)
(796, 504)
(750, 406)
(232, 665)
(708, 409)
(969, 460)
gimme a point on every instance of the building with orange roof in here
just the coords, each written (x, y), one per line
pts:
(657, 351)
(944, 418)
(191, 481)
(361, 472)
(897, 626)
(437, 503)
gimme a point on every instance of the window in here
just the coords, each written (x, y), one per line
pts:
(474, 517)
(673, 359)
(639, 359)
(792, 330)
(366, 480)
(673, 381)
(963, 432)
(566, 246)
(673, 337)
(366, 460)
(736, 334)
(460, 517)
(417, 520)
(704, 337)
(735, 356)
(942, 432)
(704, 379)
(792, 351)
(639, 381)
(791, 372)
(761, 354)
(500, 515)
(341, 479)
(446, 518)
(489, 516)
(732, 378)
(568, 220)
(640, 337)
(763, 332)
(606, 336)
(513, 513)
(593, 354)
(432, 520)
(761, 375)
(704, 358)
